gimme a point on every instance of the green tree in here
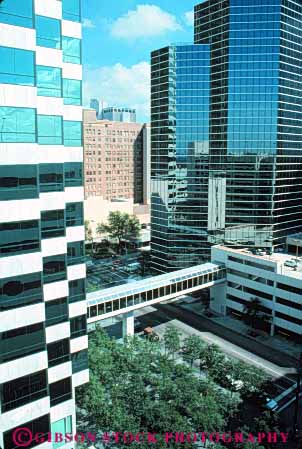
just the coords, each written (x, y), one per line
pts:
(134, 387)
(212, 358)
(254, 315)
(192, 348)
(120, 226)
(171, 340)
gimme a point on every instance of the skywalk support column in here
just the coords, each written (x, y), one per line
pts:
(128, 324)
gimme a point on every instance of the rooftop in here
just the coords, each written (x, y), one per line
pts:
(275, 258)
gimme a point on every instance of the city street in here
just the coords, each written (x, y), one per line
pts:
(164, 315)
(203, 323)
(159, 319)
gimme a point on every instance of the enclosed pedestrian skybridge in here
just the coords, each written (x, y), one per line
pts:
(126, 298)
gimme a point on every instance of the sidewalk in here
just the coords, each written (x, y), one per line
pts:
(189, 315)
(228, 348)
(276, 342)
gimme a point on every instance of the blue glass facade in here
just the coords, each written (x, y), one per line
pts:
(17, 66)
(254, 180)
(48, 32)
(17, 12)
(180, 80)
(255, 149)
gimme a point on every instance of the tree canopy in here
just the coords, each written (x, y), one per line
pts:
(120, 226)
(137, 387)
(134, 387)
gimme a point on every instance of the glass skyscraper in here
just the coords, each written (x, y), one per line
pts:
(43, 337)
(254, 179)
(180, 85)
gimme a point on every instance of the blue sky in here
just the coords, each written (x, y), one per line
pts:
(118, 36)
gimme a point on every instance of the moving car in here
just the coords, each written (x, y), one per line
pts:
(271, 404)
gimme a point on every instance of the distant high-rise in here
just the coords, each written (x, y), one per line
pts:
(241, 184)
(116, 156)
(43, 335)
(119, 114)
(95, 104)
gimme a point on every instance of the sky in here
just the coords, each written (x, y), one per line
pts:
(118, 36)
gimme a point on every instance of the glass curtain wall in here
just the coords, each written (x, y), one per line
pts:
(180, 76)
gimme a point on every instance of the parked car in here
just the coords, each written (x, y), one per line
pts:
(133, 267)
(291, 263)
(260, 252)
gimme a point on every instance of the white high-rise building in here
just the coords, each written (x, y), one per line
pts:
(43, 335)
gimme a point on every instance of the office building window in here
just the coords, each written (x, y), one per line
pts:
(48, 32)
(17, 12)
(23, 390)
(51, 177)
(54, 268)
(21, 342)
(58, 352)
(79, 361)
(20, 291)
(40, 425)
(78, 326)
(72, 133)
(18, 182)
(60, 391)
(63, 426)
(71, 10)
(52, 224)
(56, 311)
(76, 290)
(19, 237)
(75, 253)
(17, 125)
(17, 66)
(50, 130)
(71, 50)
(49, 81)
(74, 214)
(72, 91)
(73, 174)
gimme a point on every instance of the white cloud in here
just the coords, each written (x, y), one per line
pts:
(120, 86)
(87, 23)
(189, 18)
(144, 21)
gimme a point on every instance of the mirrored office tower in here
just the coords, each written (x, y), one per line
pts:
(180, 86)
(256, 111)
(43, 341)
(255, 148)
